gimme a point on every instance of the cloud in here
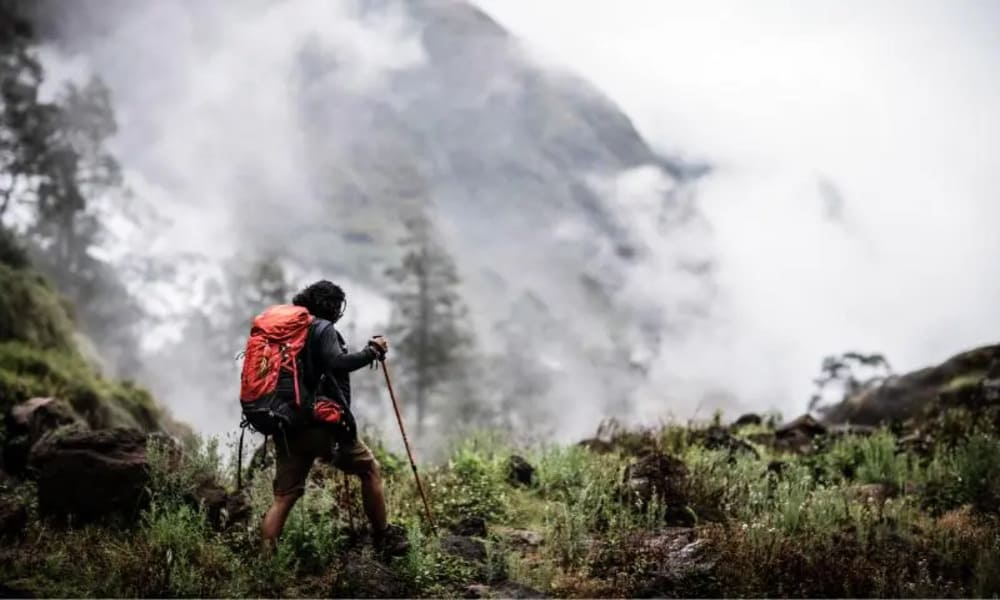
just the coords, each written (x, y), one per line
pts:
(893, 104)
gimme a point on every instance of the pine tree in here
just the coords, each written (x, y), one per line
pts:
(427, 327)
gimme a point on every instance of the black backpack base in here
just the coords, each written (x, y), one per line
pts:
(271, 415)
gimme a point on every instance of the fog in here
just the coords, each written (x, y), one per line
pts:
(849, 204)
(855, 146)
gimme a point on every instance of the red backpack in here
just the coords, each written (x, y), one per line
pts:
(276, 340)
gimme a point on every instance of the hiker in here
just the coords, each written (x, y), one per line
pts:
(321, 377)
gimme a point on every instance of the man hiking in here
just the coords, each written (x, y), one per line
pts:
(329, 433)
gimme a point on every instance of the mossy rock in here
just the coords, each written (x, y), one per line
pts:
(28, 372)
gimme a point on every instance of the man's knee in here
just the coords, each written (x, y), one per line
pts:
(288, 497)
(370, 470)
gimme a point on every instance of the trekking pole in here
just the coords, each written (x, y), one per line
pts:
(347, 499)
(406, 442)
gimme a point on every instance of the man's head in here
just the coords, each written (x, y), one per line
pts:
(322, 299)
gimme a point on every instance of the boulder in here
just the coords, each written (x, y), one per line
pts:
(13, 518)
(778, 467)
(669, 563)
(27, 422)
(221, 508)
(520, 538)
(798, 435)
(467, 548)
(717, 437)
(657, 475)
(747, 419)
(520, 471)
(361, 576)
(683, 563)
(91, 474)
(597, 445)
(470, 526)
(805, 425)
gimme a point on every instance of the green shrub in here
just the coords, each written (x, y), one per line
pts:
(865, 459)
(175, 472)
(473, 485)
(429, 571)
(314, 533)
(968, 473)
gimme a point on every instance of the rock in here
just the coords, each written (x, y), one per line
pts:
(13, 518)
(747, 419)
(478, 590)
(27, 422)
(470, 527)
(523, 538)
(507, 589)
(466, 548)
(672, 562)
(597, 445)
(805, 425)
(361, 576)
(798, 435)
(719, 438)
(91, 474)
(221, 508)
(683, 563)
(777, 467)
(521, 472)
(657, 475)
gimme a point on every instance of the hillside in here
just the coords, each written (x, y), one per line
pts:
(41, 356)
(754, 508)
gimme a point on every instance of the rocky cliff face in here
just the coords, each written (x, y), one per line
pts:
(964, 386)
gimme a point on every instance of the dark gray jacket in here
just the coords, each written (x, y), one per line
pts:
(326, 364)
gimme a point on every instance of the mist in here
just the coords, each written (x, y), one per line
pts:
(854, 189)
(848, 204)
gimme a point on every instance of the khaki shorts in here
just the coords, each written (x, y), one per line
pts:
(316, 441)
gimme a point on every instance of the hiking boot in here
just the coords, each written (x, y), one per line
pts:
(391, 541)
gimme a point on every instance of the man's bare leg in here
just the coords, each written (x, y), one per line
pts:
(274, 519)
(373, 498)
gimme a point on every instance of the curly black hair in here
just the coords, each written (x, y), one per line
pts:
(322, 299)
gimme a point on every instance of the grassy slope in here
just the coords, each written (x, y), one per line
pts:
(39, 356)
(804, 532)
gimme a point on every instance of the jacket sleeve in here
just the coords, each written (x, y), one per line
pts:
(335, 359)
